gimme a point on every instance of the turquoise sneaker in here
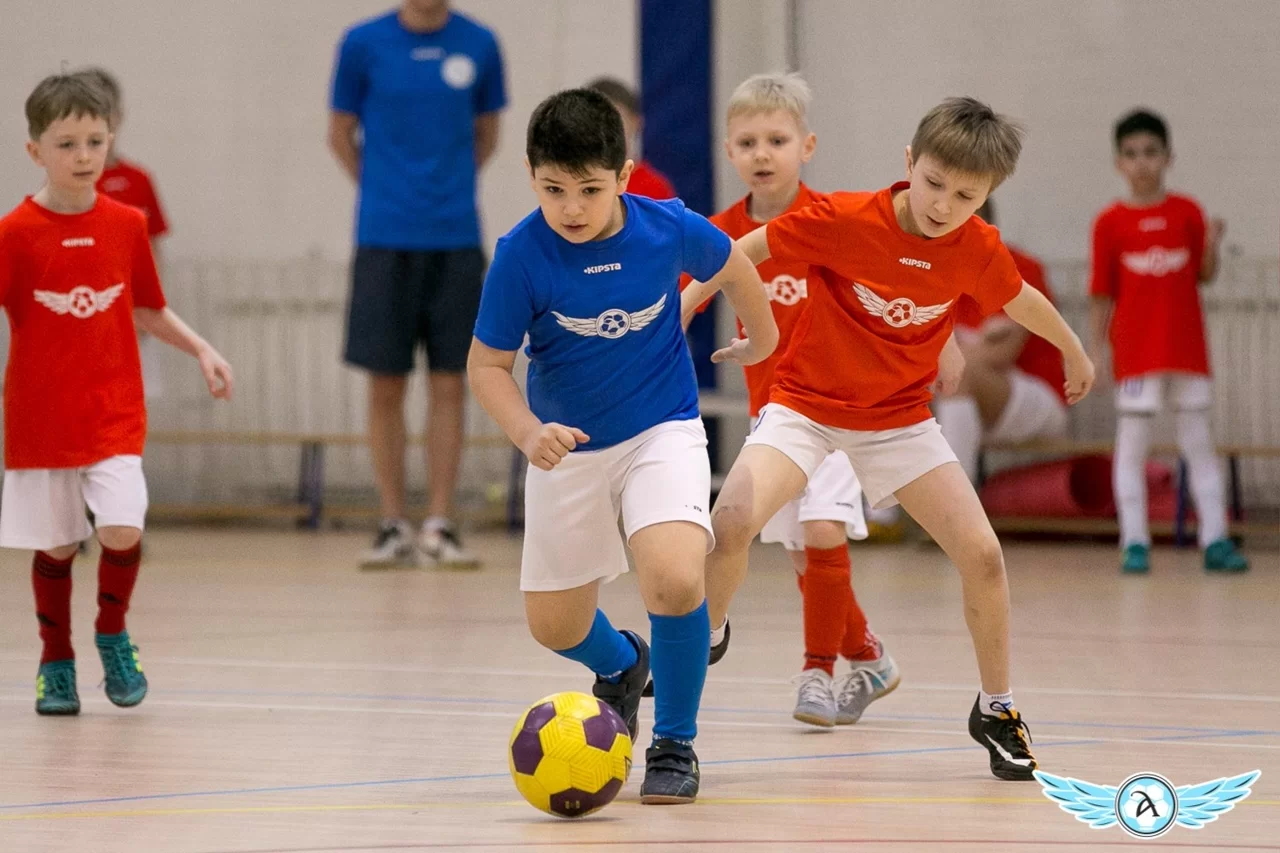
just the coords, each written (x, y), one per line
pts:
(126, 685)
(1137, 559)
(1223, 556)
(56, 689)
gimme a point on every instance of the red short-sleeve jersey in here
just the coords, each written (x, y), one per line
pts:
(130, 184)
(865, 353)
(1147, 259)
(649, 182)
(69, 284)
(1038, 357)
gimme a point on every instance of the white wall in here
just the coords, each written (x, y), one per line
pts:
(1067, 70)
(227, 104)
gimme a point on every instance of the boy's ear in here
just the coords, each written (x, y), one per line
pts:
(33, 151)
(807, 147)
(909, 164)
(624, 175)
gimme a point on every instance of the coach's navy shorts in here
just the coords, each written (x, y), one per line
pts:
(402, 298)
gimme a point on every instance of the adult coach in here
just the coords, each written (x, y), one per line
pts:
(415, 106)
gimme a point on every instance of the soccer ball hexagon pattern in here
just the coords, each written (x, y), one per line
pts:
(570, 754)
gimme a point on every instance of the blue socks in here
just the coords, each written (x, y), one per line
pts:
(678, 651)
(605, 651)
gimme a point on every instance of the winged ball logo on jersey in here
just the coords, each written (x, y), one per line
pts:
(1147, 805)
(80, 302)
(612, 322)
(899, 312)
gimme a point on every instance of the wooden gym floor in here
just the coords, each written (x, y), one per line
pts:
(300, 705)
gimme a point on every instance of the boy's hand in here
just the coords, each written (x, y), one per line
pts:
(739, 351)
(1080, 375)
(950, 369)
(217, 373)
(1214, 231)
(550, 443)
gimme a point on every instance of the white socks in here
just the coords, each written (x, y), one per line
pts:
(1129, 478)
(717, 634)
(991, 704)
(1205, 473)
(1204, 470)
(962, 428)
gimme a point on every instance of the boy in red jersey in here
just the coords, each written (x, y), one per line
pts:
(129, 183)
(645, 179)
(886, 269)
(768, 141)
(1012, 386)
(76, 273)
(1150, 253)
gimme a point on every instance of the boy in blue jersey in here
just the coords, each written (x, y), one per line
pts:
(416, 97)
(612, 422)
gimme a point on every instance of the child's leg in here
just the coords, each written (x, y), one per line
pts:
(1138, 399)
(51, 583)
(570, 624)
(760, 482)
(946, 506)
(117, 574)
(1195, 441)
(827, 592)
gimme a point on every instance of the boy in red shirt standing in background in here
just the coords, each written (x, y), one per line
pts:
(768, 141)
(76, 273)
(129, 183)
(1150, 254)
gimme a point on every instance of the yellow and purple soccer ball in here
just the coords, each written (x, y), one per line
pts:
(570, 754)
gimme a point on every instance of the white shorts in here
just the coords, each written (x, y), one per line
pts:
(1145, 395)
(1034, 410)
(571, 512)
(44, 508)
(884, 460)
(833, 494)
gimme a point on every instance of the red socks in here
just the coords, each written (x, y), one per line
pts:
(833, 621)
(117, 573)
(51, 582)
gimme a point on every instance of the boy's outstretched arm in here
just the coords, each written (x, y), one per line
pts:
(489, 373)
(168, 327)
(741, 283)
(754, 245)
(1031, 310)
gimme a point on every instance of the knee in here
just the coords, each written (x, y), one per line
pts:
(555, 634)
(119, 538)
(676, 596)
(731, 522)
(387, 391)
(824, 534)
(447, 388)
(985, 561)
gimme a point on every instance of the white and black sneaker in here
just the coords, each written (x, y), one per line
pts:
(392, 547)
(1007, 739)
(439, 542)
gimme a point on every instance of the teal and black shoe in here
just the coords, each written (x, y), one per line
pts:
(126, 686)
(56, 689)
(1137, 559)
(1223, 556)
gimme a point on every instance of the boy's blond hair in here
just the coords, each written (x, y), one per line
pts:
(60, 95)
(968, 136)
(767, 93)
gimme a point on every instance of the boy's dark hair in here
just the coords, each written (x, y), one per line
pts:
(577, 130)
(967, 135)
(105, 80)
(1142, 121)
(620, 93)
(61, 95)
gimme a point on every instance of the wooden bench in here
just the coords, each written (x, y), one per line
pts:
(309, 506)
(1179, 527)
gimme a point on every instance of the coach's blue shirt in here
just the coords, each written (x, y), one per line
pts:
(417, 96)
(606, 351)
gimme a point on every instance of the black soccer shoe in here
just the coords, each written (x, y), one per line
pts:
(670, 774)
(1007, 739)
(624, 697)
(717, 652)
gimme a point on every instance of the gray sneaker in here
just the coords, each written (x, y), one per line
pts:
(815, 701)
(864, 684)
(392, 547)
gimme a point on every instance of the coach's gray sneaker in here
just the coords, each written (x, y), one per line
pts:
(392, 547)
(815, 701)
(441, 545)
(864, 684)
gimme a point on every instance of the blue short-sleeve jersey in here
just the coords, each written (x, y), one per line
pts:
(417, 96)
(606, 350)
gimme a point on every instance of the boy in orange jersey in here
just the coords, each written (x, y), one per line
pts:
(76, 274)
(886, 269)
(768, 142)
(1150, 254)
